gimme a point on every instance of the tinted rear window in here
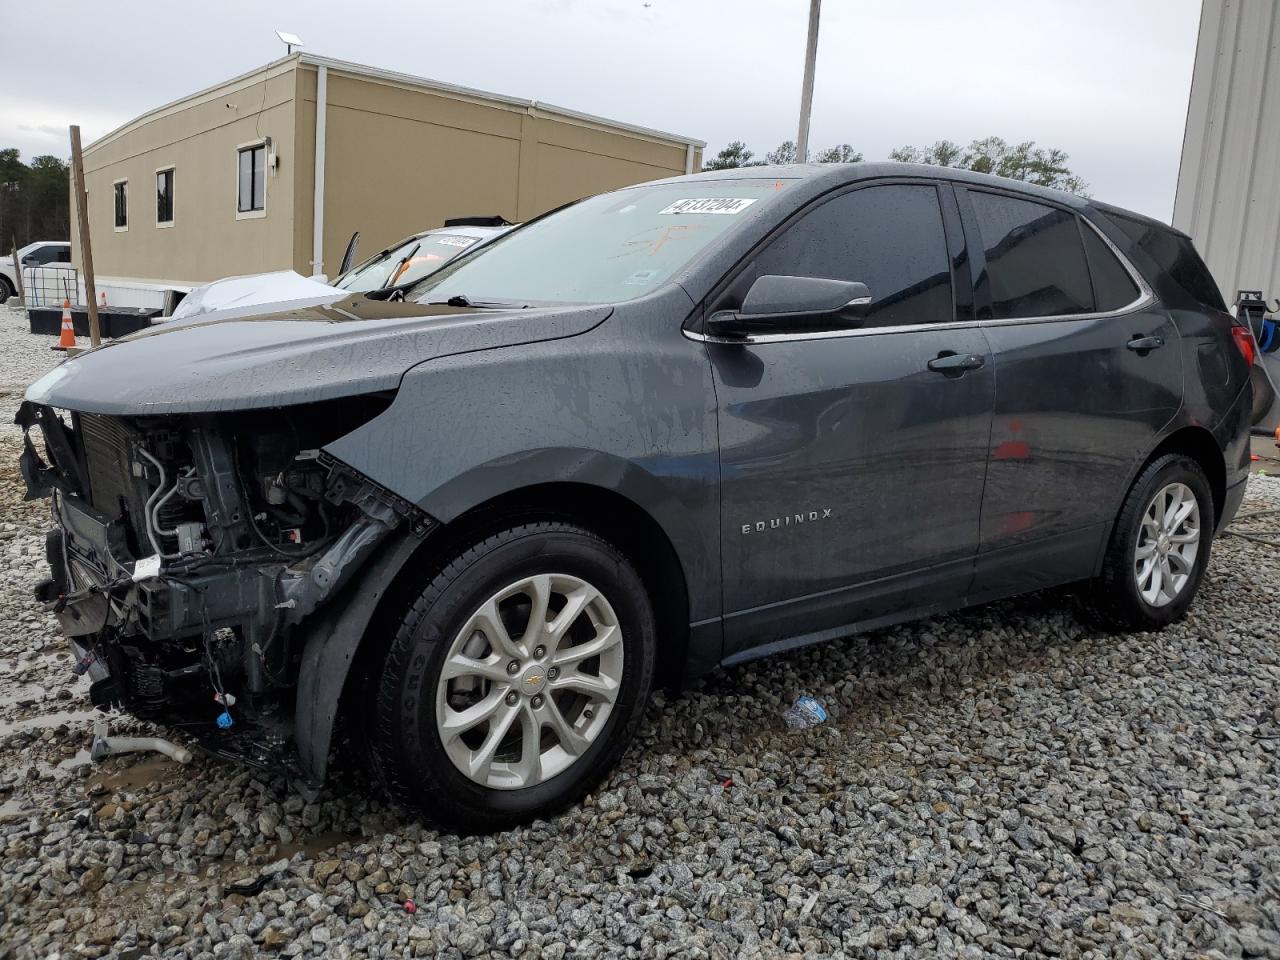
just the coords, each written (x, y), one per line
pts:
(1035, 258)
(1113, 288)
(1176, 256)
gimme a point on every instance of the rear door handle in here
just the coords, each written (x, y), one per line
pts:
(956, 362)
(1145, 343)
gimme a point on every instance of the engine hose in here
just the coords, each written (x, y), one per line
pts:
(150, 506)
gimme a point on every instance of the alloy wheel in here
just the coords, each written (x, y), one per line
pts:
(1168, 542)
(529, 681)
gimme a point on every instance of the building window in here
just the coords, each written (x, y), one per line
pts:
(164, 197)
(122, 204)
(251, 192)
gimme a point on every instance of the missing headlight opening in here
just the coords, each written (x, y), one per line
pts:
(188, 552)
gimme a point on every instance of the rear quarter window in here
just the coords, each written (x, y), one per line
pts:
(1175, 255)
(1113, 288)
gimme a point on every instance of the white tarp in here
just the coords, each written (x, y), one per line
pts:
(257, 288)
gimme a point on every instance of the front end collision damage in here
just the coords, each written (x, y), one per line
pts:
(193, 559)
(218, 466)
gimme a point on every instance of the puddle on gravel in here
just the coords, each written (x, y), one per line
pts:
(15, 809)
(134, 776)
(311, 847)
(47, 721)
(24, 695)
(82, 758)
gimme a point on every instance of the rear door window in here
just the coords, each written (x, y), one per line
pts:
(1036, 263)
(1113, 288)
(889, 237)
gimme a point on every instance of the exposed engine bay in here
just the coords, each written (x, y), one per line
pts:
(187, 550)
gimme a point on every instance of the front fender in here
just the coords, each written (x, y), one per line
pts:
(628, 407)
(330, 642)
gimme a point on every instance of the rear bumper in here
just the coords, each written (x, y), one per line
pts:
(1230, 505)
(1233, 434)
(1234, 437)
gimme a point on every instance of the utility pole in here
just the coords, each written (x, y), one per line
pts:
(806, 91)
(86, 250)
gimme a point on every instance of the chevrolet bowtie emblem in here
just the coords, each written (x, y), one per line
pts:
(533, 679)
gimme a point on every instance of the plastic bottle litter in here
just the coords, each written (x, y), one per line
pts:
(805, 712)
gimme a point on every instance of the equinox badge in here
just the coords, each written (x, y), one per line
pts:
(790, 520)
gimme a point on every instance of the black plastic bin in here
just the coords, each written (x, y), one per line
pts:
(112, 321)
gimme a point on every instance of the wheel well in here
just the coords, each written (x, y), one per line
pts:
(624, 524)
(1198, 444)
(608, 514)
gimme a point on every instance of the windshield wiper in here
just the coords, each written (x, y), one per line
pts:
(462, 300)
(396, 270)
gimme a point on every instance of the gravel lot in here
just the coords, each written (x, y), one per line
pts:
(1000, 782)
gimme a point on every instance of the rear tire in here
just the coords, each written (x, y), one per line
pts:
(502, 633)
(1158, 550)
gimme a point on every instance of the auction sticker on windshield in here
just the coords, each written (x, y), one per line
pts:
(456, 241)
(710, 205)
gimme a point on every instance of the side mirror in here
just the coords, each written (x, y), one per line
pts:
(30, 262)
(776, 304)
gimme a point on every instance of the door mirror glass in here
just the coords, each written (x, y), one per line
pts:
(777, 304)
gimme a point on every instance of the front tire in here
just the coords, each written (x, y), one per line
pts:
(6, 289)
(1159, 548)
(516, 679)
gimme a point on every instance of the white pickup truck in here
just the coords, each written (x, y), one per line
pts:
(38, 254)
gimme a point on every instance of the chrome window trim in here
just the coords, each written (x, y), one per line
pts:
(829, 334)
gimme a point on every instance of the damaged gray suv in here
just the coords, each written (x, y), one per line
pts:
(463, 527)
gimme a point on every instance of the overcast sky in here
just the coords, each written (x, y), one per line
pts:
(1105, 80)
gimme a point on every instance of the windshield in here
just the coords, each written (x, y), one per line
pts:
(406, 262)
(605, 249)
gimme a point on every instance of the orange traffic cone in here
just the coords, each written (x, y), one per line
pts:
(68, 338)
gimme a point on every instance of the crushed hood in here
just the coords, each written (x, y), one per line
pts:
(299, 355)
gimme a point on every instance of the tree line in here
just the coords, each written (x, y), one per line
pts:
(35, 199)
(1043, 166)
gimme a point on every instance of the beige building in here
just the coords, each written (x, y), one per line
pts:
(277, 168)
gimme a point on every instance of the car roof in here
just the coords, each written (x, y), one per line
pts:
(837, 174)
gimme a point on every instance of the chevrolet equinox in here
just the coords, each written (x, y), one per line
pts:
(464, 526)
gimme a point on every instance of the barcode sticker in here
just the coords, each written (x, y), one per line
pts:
(727, 205)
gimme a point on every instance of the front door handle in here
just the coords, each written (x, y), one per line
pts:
(956, 362)
(1142, 344)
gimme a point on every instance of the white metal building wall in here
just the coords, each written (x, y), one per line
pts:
(1228, 196)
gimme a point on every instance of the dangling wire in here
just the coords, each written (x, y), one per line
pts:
(1269, 538)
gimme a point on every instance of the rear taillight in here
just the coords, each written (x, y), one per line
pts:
(1243, 337)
